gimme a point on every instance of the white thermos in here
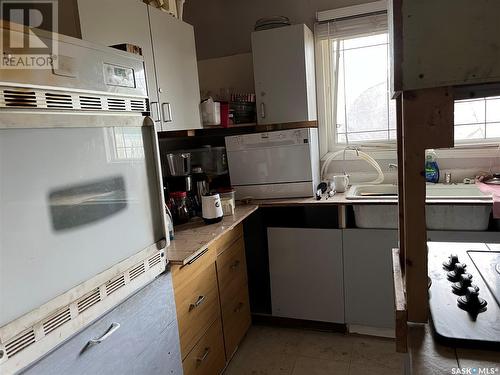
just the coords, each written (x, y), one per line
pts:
(211, 208)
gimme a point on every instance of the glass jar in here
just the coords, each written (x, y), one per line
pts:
(178, 207)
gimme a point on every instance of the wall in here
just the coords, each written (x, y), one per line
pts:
(223, 27)
(222, 32)
(232, 72)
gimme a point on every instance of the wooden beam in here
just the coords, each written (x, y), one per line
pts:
(427, 123)
(401, 313)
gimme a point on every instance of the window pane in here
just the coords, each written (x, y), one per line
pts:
(392, 113)
(468, 132)
(365, 41)
(369, 136)
(493, 130)
(492, 110)
(469, 112)
(366, 88)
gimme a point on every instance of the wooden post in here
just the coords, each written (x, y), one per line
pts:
(427, 123)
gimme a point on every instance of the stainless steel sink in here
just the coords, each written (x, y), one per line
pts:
(453, 216)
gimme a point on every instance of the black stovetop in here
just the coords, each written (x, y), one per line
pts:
(458, 325)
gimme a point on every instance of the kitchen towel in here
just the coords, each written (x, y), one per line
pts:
(494, 190)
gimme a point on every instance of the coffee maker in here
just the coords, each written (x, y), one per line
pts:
(180, 177)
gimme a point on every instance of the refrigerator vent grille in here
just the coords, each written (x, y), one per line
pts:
(137, 271)
(18, 98)
(154, 260)
(89, 300)
(90, 102)
(63, 100)
(55, 320)
(20, 343)
(114, 285)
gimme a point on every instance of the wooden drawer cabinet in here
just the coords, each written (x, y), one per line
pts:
(236, 319)
(207, 357)
(233, 290)
(220, 245)
(216, 279)
(197, 303)
(182, 275)
(232, 270)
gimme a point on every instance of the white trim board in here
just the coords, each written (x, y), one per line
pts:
(351, 11)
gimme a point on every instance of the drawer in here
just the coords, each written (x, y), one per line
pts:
(236, 319)
(147, 337)
(227, 239)
(207, 357)
(197, 304)
(232, 269)
(182, 275)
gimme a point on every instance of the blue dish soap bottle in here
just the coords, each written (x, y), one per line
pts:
(431, 167)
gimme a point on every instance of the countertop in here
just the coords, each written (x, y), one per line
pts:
(192, 238)
(341, 199)
(428, 357)
(195, 236)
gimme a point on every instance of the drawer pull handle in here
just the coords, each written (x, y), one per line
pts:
(239, 307)
(198, 302)
(204, 356)
(197, 256)
(112, 329)
(235, 265)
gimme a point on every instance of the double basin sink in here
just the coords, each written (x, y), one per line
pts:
(458, 214)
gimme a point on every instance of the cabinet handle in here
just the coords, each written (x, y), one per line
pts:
(262, 110)
(112, 329)
(198, 302)
(197, 257)
(204, 356)
(155, 111)
(238, 308)
(235, 265)
(167, 112)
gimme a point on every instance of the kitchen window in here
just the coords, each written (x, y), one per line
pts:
(353, 72)
(353, 75)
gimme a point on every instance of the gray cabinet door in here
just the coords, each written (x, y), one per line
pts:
(305, 266)
(147, 341)
(176, 71)
(283, 61)
(113, 22)
(369, 295)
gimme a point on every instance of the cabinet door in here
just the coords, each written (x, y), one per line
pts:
(176, 70)
(369, 294)
(283, 61)
(306, 273)
(113, 22)
(146, 341)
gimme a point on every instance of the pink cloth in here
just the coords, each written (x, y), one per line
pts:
(494, 190)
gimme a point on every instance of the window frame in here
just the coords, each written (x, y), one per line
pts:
(327, 88)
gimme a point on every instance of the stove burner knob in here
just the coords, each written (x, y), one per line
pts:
(471, 302)
(457, 272)
(461, 286)
(450, 263)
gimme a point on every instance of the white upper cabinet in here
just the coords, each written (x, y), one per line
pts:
(176, 71)
(168, 49)
(113, 22)
(285, 85)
